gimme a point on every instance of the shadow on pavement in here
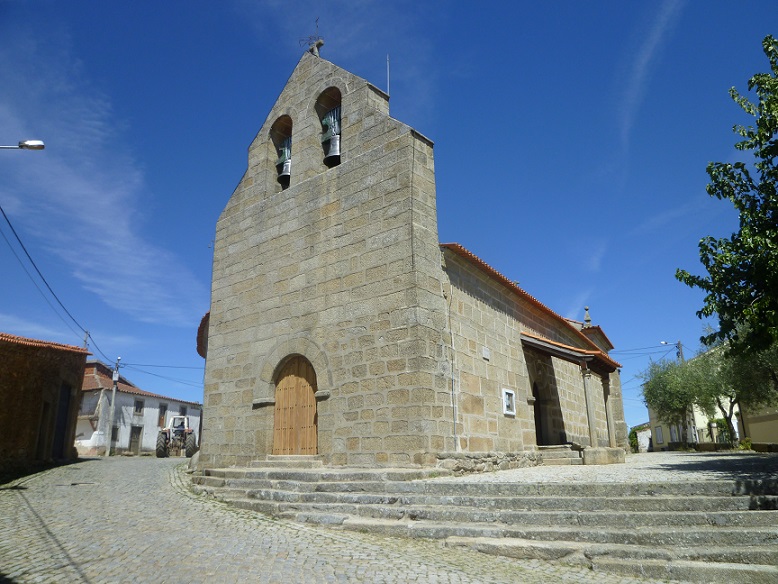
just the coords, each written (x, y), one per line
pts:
(15, 475)
(728, 465)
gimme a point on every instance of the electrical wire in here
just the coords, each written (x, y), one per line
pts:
(181, 381)
(85, 331)
(34, 265)
(29, 275)
(164, 366)
(653, 347)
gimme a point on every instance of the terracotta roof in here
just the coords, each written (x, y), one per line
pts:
(98, 376)
(9, 338)
(595, 329)
(495, 275)
(602, 358)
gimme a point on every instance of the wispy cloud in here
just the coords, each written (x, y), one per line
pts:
(26, 328)
(575, 308)
(80, 198)
(594, 256)
(358, 35)
(642, 61)
(659, 222)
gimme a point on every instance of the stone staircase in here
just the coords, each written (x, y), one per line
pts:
(694, 531)
(559, 455)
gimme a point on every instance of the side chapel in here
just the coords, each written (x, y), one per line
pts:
(340, 326)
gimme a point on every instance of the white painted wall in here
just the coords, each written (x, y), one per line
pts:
(91, 441)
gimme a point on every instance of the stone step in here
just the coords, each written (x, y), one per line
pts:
(561, 461)
(689, 571)
(371, 507)
(571, 504)
(592, 519)
(645, 536)
(744, 564)
(319, 475)
(292, 462)
(408, 481)
(562, 453)
(660, 530)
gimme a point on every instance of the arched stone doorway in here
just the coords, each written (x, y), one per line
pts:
(295, 421)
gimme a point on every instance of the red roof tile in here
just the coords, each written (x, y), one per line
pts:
(495, 275)
(9, 338)
(99, 376)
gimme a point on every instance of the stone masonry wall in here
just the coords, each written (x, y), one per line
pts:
(342, 267)
(31, 379)
(486, 323)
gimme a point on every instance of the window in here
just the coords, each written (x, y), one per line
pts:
(183, 410)
(508, 402)
(138, 407)
(673, 433)
(162, 415)
(658, 434)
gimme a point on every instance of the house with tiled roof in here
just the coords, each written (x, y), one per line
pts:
(39, 390)
(340, 327)
(138, 414)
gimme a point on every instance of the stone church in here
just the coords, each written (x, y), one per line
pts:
(341, 327)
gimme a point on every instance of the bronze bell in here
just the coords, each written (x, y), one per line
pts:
(284, 171)
(333, 151)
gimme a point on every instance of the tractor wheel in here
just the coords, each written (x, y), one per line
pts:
(161, 446)
(191, 445)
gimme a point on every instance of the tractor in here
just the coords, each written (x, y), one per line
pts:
(176, 437)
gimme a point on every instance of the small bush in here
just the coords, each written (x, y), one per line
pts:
(633, 440)
(745, 444)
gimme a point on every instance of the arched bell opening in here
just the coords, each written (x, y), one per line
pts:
(281, 135)
(328, 108)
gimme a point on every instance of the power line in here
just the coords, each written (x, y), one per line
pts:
(165, 366)
(34, 265)
(26, 271)
(181, 381)
(639, 349)
(94, 344)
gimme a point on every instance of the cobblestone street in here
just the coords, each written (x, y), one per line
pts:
(134, 520)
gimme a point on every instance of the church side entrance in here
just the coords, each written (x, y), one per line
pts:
(294, 426)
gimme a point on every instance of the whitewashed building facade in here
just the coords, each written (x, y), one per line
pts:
(138, 414)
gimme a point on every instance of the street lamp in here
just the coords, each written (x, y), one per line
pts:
(26, 145)
(679, 349)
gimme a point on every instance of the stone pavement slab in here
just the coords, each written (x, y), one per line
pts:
(135, 520)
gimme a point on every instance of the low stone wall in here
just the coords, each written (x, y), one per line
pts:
(477, 462)
(764, 447)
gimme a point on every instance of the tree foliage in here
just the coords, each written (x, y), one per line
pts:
(742, 281)
(716, 381)
(668, 392)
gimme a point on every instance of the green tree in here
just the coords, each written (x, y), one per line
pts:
(742, 280)
(669, 391)
(712, 375)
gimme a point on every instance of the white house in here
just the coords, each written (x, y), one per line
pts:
(138, 414)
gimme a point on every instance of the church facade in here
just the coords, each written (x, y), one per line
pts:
(341, 327)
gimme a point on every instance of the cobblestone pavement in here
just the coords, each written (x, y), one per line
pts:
(134, 520)
(645, 468)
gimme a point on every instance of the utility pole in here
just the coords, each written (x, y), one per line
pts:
(113, 403)
(678, 350)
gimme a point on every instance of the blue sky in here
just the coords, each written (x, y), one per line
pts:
(571, 140)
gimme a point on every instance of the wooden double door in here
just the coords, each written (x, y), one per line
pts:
(294, 425)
